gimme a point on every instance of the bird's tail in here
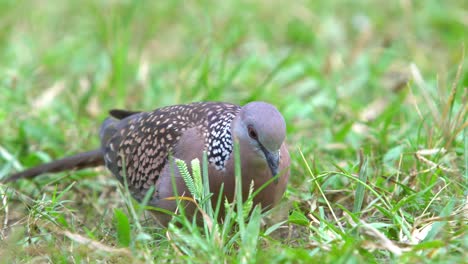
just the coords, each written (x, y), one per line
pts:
(83, 160)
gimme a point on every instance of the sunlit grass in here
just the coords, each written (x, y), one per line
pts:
(374, 95)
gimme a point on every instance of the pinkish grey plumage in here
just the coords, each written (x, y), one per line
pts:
(267, 121)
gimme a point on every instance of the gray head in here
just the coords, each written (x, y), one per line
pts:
(262, 126)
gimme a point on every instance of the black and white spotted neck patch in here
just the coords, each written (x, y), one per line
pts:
(220, 143)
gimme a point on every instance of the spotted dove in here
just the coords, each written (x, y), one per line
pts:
(142, 142)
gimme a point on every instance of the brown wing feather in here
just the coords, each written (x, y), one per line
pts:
(139, 145)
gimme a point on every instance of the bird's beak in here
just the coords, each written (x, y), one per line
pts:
(273, 159)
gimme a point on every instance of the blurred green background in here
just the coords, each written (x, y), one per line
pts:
(380, 76)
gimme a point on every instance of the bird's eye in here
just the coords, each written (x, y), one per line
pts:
(252, 132)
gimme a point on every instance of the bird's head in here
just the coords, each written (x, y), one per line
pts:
(261, 127)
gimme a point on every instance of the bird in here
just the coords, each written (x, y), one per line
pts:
(137, 146)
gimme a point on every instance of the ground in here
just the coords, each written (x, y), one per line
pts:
(374, 94)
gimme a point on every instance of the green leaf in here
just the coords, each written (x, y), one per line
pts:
(122, 225)
(273, 228)
(429, 245)
(393, 154)
(359, 196)
(143, 237)
(250, 237)
(437, 227)
(298, 218)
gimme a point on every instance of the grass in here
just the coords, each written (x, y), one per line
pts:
(374, 94)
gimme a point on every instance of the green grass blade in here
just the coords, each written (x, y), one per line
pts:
(122, 226)
(360, 189)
